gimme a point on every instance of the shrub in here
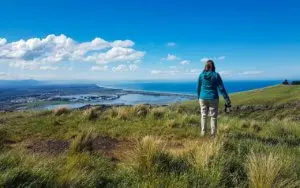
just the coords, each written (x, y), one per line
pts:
(83, 142)
(60, 111)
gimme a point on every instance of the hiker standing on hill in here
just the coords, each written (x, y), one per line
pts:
(209, 83)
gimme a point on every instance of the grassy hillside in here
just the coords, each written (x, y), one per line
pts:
(146, 146)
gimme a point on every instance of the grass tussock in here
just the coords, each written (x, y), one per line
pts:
(200, 154)
(145, 152)
(61, 110)
(265, 170)
(120, 113)
(141, 110)
(84, 170)
(83, 142)
(124, 113)
(91, 114)
(159, 112)
(110, 113)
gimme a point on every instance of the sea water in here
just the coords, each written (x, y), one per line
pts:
(190, 87)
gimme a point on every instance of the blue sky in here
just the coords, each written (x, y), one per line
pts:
(132, 40)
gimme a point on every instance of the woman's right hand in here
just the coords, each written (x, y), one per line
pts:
(228, 102)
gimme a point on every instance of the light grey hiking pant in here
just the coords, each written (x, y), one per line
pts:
(209, 108)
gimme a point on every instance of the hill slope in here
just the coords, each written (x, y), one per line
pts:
(146, 146)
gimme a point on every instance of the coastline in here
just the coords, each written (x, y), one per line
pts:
(78, 96)
(143, 92)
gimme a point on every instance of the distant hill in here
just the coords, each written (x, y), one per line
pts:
(18, 83)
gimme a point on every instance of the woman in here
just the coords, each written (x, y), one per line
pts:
(209, 83)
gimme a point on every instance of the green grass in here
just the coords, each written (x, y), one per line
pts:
(145, 146)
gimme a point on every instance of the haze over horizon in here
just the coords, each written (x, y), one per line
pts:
(148, 40)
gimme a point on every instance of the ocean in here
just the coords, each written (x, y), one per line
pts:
(189, 87)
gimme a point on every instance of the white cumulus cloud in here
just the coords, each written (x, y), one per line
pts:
(37, 52)
(185, 62)
(2, 41)
(170, 57)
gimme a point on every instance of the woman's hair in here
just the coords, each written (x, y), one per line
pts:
(210, 66)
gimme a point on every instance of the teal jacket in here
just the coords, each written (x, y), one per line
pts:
(209, 83)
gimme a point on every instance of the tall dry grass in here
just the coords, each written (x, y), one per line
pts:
(201, 153)
(90, 114)
(83, 142)
(265, 170)
(145, 152)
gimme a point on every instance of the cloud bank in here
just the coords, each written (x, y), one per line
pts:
(46, 53)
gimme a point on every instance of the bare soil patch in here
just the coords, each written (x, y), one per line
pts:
(49, 146)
